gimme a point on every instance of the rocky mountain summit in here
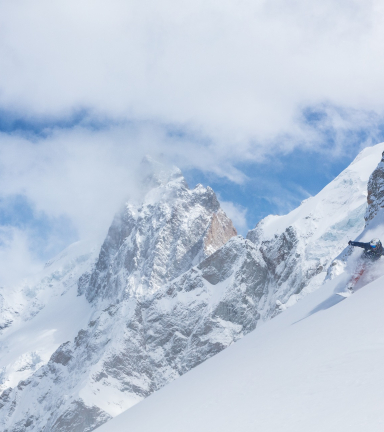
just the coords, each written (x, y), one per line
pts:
(173, 285)
(155, 241)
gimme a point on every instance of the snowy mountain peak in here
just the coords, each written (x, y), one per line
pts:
(154, 173)
(155, 241)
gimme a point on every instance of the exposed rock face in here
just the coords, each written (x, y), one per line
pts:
(375, 191)
(285, 268)
(137, 346)
(220, 231)
(79, 418)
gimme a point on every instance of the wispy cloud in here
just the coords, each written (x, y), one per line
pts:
(16, 259)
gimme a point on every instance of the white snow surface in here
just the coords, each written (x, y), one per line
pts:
(347, 192)
(317, 367)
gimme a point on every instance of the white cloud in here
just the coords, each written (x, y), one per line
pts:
(238, 71)
(85, 175)
(16, 259)
(82, 175)
(237, 214)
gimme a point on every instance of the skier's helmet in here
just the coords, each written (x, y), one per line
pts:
(375, 243)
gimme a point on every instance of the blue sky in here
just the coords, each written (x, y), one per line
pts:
(47, 235)
(266, 101)
(276, 186)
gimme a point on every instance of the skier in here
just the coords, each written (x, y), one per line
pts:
(372, 252)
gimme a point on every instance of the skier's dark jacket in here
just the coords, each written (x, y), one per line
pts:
(369, 252)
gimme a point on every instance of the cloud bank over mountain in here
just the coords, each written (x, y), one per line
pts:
(88, 88)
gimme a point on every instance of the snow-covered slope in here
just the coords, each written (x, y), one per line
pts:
(43, 312)
(351, 260)
(24, 301)
(317, 367)
(299, 247)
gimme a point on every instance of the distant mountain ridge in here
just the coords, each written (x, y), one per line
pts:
(173, 285)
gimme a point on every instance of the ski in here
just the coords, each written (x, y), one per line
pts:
(345, 294)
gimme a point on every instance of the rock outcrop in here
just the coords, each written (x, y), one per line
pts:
(375, 192)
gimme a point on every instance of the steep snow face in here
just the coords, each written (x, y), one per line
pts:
(352, 260)
(42, 313)
(300, 246)
(157, 240)
(316, 367)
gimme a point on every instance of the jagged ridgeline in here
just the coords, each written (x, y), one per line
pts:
(171, 286)
(154, 242)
